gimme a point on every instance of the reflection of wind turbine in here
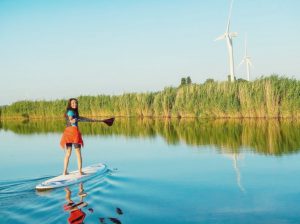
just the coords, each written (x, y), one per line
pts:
(228, 36)
(234, 157)
(237, 171)
(247, 61)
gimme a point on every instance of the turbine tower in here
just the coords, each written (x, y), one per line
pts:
(228, 36)
(246, 60)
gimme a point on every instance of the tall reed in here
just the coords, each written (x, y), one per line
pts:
(267, 97)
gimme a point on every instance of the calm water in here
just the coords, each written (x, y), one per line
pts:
(160, 171)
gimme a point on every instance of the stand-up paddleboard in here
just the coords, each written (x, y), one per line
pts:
(73, 177)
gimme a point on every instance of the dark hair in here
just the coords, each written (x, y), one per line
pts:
(70, 108)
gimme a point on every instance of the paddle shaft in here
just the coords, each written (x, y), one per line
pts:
(108, 121)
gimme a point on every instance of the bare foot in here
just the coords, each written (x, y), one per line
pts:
(65, 173)
(81, 173)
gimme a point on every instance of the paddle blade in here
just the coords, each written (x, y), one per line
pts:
(109, 121)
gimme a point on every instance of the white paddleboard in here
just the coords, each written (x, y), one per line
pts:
(73, 177)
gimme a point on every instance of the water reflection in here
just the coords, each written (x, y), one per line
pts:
(235, 157)
(77, 215)
(270, 137)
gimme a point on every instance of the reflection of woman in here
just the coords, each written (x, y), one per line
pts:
(72, 136)
(77, 216)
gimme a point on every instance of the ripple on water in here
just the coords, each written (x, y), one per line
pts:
(21, 203)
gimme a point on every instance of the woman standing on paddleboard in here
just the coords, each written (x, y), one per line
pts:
(72, 136)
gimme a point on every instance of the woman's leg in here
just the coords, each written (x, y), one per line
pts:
(68, 195)
(66, 160)
(81, 192)
(79, 160)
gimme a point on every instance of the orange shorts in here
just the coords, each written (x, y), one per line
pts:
(71, 135)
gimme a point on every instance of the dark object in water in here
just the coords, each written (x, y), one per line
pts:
(119, 211)
(91, 210)
(115, 220)
(102, 220)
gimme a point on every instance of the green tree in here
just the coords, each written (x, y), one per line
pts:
(209, 81)
(183, 82)
(188, 80)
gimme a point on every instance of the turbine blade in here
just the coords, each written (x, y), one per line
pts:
(221, 37)
(233, 34)
(242, 62)
(229, 17)
(228, 25)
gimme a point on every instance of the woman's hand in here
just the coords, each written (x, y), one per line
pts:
(72, 120)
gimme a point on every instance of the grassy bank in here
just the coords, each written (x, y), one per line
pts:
(269, 97)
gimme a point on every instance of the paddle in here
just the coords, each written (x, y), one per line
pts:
(108, 121)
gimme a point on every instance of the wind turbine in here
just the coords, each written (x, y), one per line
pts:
(228, 36)
(246, 60)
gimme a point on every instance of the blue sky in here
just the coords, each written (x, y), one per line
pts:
(55, 49)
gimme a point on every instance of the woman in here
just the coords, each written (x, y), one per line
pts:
(72, 136)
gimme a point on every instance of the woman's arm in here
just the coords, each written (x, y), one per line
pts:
(71, 116)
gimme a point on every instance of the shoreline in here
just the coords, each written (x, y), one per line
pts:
(19, 118)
